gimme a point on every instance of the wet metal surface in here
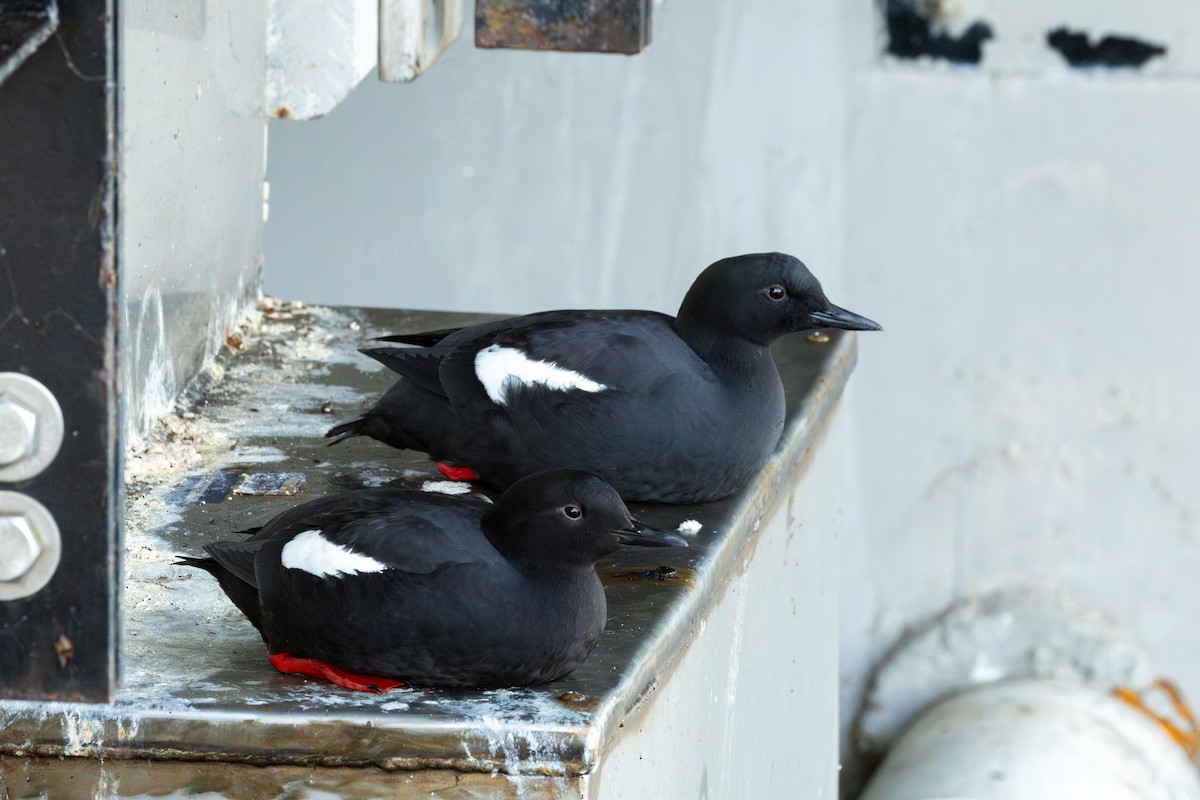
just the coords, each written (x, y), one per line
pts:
(198, 686)
(602, 26)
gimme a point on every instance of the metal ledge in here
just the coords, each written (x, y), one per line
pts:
(198, 686)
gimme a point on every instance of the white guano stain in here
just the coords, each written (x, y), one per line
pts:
(500, 368)
(446, 487)
(313, 553)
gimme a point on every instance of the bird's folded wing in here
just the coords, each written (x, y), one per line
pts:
(237, 557)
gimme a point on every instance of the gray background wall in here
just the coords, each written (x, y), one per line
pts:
(1026, 233)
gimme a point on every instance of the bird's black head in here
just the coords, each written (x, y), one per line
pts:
(760, 297)
(564, 517)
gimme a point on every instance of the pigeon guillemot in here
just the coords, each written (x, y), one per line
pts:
(668, 409)
(378, 587)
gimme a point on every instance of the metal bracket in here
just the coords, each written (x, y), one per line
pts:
(597, 26)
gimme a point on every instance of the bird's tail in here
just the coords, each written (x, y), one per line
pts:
(346, 430)
(243, 595)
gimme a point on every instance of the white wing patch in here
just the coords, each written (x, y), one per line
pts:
(499, 369)
(316, 555)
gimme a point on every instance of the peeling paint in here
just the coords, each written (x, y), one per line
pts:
(914, 30)
(1109, 52)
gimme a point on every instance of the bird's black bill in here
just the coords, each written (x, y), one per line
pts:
(640, 535)
(834, 317)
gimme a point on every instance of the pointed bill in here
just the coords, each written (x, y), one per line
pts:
(836, 317)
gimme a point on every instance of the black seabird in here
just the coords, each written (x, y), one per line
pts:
(378, 587)
(668, 409)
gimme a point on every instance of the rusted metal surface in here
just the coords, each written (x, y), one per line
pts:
(58, 327)
(198, 684)
(599, 26)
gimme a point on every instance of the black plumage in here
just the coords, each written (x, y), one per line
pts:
(432, 589)
(671, 409)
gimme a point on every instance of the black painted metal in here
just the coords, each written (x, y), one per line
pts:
(58, 325)
(25, 25)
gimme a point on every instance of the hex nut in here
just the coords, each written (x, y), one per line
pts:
(19, 546)
(18, 431)
(31, 427)
(30, 546)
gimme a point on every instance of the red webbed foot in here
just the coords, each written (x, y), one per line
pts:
(315, 668)
(457, 473)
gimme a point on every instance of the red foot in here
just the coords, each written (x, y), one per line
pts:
(315, 668)
(457, 473)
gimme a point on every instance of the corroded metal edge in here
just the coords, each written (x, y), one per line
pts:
(522, 732)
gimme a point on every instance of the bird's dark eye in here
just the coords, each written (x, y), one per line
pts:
(775, 292)
(573, 512)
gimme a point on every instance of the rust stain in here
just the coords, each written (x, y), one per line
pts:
(578, 701)
(656, 575)
(233, 342)
(65, 651)
(283, 112)
(607, 26)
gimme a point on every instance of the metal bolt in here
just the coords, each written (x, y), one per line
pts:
(31, 427)
(30, 546)
(19, 546)
(18, 431)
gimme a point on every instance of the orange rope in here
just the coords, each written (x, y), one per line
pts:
(1186, 735)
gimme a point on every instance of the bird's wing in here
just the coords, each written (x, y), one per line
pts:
(335, 510)
(237, 558)
(418, 357)
(566, 354)
(418, 540)
(374, 530)
(421, 339)
(555, 353)
(421, 365)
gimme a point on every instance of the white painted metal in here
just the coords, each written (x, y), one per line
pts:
(192, 158)
(317, 51)
(1019, 31)
(516, 181)
(414, 33)
(750, 711)
(1034, 740)
(1017, 421)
